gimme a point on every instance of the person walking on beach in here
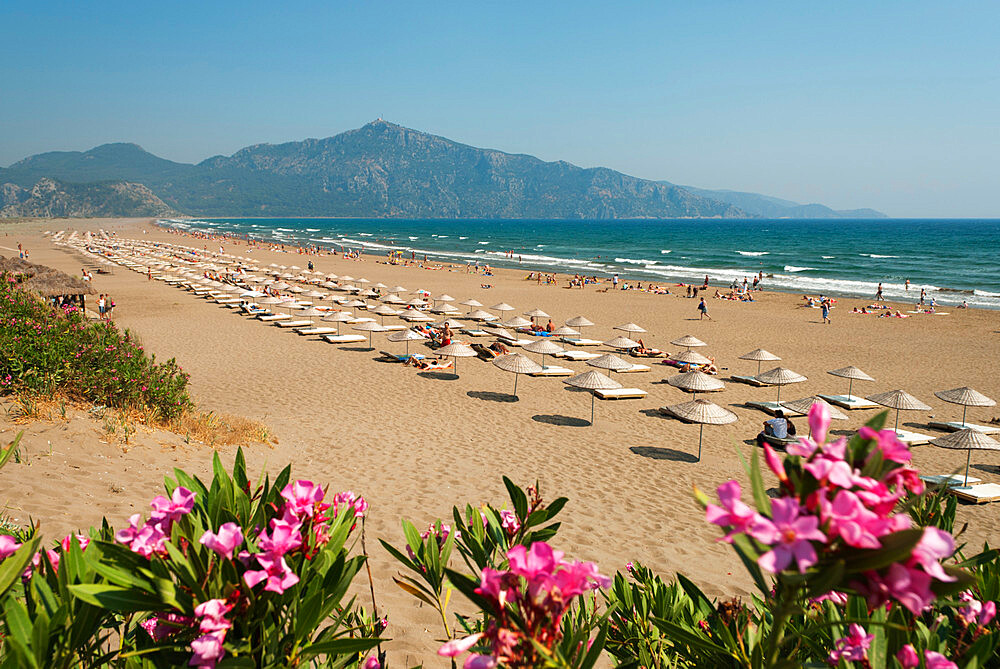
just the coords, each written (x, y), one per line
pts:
(923, 295)
(878, 293)
(825, 307)
(703, 308)
(614, 282)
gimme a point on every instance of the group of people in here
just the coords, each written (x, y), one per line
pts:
(105, 307)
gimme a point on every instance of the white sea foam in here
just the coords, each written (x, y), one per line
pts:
(633, 261)
(754, 253)
(312, 229)
(665, 251)
(414, 238)
(828, 257)
(285, 229)
(463, 237)
(793, 268)
(875, 255)
(482, 243)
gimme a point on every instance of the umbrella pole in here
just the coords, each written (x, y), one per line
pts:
(758, 367)
(964, 409)
(896, 426)
(515, 385)
(592, 398)
(850, 386)
(701, 431)
(778, 401)
(968, 459)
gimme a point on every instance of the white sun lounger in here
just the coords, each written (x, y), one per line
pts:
(577, 356)
(394, 328)
(948, 479)
(633, 369)
(355, 321)
(770, 408)
(912, 438)
(344, 338)
(619, 394)
(854, 402)
(316, 331)
(553, 370)
(749, 380)
(475, 332)
(955, 426)
(577, 341)
(515, 342)
(293, 324)
(226, 301)
(274, 317)
(977, 494)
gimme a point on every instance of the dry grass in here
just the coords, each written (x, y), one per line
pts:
(210, 428)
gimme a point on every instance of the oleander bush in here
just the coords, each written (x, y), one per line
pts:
(45, 350)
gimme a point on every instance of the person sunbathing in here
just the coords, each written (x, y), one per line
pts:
(499, 348)
(428, 364)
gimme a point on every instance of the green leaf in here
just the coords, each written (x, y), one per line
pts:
(12, 568)
(343, 646)
(896, 547)
(760, 498)
(555, 506)
(116, 599)
(517, 498)
(9, 451)
(595, 649)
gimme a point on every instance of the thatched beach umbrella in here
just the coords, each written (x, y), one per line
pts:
(397, 289)
(696, 382)
(543, 347)
(565, 331)
(780, 376)
(371, 327)
(690, 358)
(579, 322)
(704, 413)
(384, 310)
(622, 343)
(760, 355)
(967, 397)
(898, 400)
(407, 336)
(456, 350)
(803, 406)
(517, 364)
(312, 312)
(851, 373)
(967, 440)
(516, 322)
(629, 327)
(536, 313)
(480, 315)
(688, 341)
(592, 380)
(444, 297)
(338, 317)
(610, 362)
(502, 307)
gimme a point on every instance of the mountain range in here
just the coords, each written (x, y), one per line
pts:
(379, 170)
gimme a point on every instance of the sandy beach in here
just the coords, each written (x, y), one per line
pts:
(415, 444)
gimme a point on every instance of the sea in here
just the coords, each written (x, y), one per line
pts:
(953, 260)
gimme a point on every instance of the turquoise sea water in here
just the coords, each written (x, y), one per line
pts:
(954, 260)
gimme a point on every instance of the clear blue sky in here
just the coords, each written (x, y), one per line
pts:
(892, 105)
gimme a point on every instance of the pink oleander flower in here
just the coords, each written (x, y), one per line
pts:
(539, 560)
(275, 571)
(168, 511)
(934, 545)
(853, 647)
(372, 663)
(907, 657)
(456, 647)
(906, 478)
(212, 616)
(976, 613)
(909, 586)
(8, 546)
(350, 500)
(789, 535)
(935, 660)
(509, 522)
(774, 463)
(284, 537)
(207, 650)
(819, 421)
(838, 598)
(830, 470)
(733, 512)
(146, 540)
(851, 521)
(229, 538)
(480, 662)
(888, 443)
(303, 499)
(84, 541)
(161, 626)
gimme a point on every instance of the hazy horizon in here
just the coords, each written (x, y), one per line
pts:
(892, 107)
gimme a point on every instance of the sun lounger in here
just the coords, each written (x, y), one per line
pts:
(633, 369)
(912, 438)
(854, 402)
(355, 321)
(293, 324)
(553, 370)
(576, 356)
(579, 341)
(514, 342)
(619, 394)
(226, 301)
(770, 408)
(401, 357)
(485, 353)
(955, 426)
(977, 494)
(475, 332)
(344, 338)
(274, 317)
(948, 479)
(315, 331)
(749, 380)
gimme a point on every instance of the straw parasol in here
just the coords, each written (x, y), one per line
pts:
(517, 364)
(610, 362)
(384, 310)
(760, 355)
(446, 308)
(967, 440)
(780, 376)
(967, 397)
(391, 298)
(443, 298)
(695, 382)
(629, 327)
(565, 331)
(691, 358)
(899, 400)
(622, 343)
(516, 322)
(579, 322)
(688, 341)
(536, 313)
(498, 332)
(543, 347)
(338, 317)
(371, 327)
(397, 289)
(311, 312)
(502, 307)
(480, 315)
(471, 303)
(456, 350)
(704, 413)
(405, 335)
(851, 373)
(592, 380)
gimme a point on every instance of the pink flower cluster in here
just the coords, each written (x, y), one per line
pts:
(909, 659)
(853, 647)
(149, 538)
(539, 587)
(975, 613)
(840, 507)
(207, 649)
(9, 546)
